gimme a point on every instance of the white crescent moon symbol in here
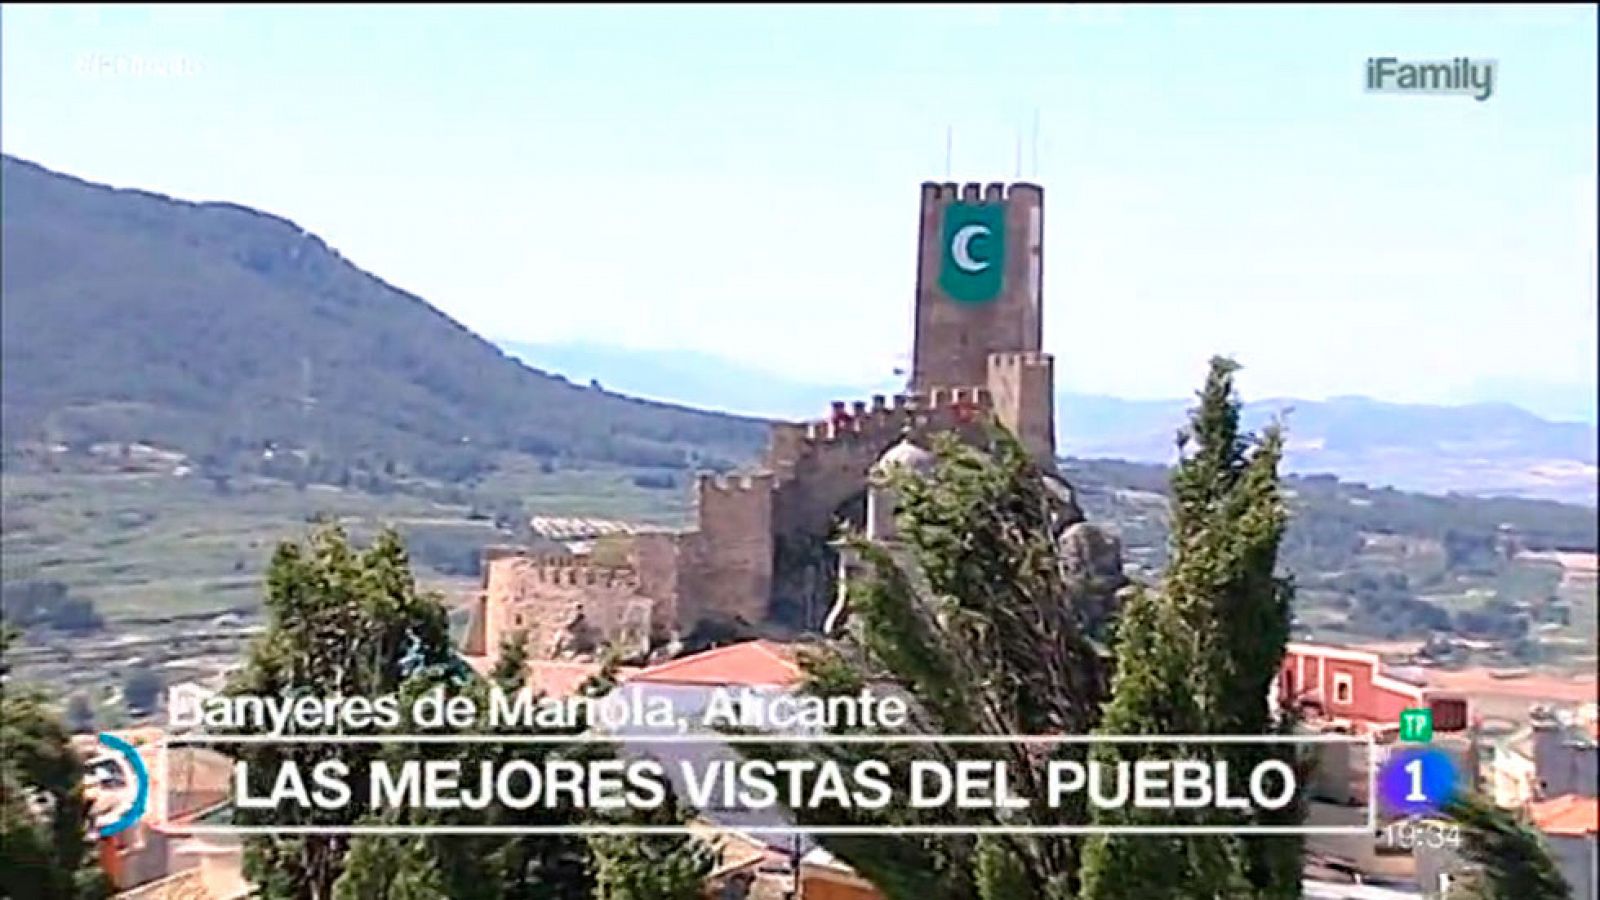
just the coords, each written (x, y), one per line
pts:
(961, 251)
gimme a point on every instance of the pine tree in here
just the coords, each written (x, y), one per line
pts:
(1509, 860)
(44, 853)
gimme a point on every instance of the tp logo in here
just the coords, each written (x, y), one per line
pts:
(1416, 725)
(141, 796)
(974, 251)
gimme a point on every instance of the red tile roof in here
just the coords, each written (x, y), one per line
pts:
(1568, 815)
(751, 664)
(563, 679)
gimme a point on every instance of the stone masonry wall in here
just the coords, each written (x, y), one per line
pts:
(825, 464)
(1023, 387)
(733, 578)
(544, 595)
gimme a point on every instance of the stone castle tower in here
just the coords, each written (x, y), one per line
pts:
(760, 549)
(979, 315)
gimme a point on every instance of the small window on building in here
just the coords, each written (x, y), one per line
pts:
(1343, 690)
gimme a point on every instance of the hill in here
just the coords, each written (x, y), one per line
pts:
(1484, 449)
(186, 384)
(241, 341)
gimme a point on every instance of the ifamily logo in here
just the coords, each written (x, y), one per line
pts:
(1390, 75)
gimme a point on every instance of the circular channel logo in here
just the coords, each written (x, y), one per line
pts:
(1417, 781)
(141, 796)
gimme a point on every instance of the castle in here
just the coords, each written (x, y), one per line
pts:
(758, 556)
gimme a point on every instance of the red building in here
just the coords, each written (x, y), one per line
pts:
(1337, 683)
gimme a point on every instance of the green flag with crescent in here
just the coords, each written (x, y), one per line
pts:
(973, 251)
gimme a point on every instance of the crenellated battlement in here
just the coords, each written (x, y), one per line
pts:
(529, 557)
(739, 483)
(583, 574)
(556, 568)
(875, 423)
(957, 398)
(975, 361)
(1019, 359)
(860, 420)
(974, 192)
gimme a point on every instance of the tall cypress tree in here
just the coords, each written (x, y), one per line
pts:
(1158, 660)
(1228, 522)
(1199, 654)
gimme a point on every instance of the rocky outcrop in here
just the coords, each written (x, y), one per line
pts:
(1071, 513)
(1091, 558)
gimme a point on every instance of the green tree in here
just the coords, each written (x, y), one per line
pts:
(80, 713)
(648, 867)
(1154, 693)
(1508, 860)
(519, 866)
(1198, 656)
(515, 866)
(341, 622)
(974, 616)
(998, 873)
(141, 691)
(44, 854)
(381, 867)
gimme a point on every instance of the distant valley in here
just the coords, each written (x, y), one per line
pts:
(1485, 449)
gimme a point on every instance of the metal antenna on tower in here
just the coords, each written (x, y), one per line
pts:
(1036, 143)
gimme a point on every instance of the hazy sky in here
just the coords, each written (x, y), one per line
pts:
(745, 180)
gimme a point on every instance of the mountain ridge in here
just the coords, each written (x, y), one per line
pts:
(230, 334)
(219, 331)
(1486, 447)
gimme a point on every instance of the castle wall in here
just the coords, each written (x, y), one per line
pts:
(954, 340)
(1023, 387)
(667, 563)
(760, 541)
(542, 595)
(730, 575)
(829, 465)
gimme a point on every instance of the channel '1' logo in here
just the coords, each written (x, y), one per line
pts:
(1417, 780)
